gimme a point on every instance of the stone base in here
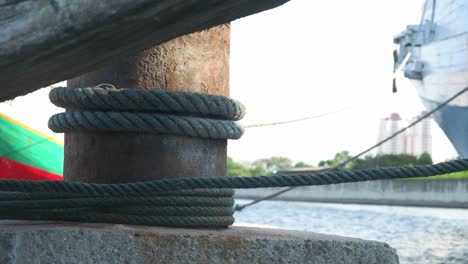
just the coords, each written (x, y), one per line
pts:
(47, 242)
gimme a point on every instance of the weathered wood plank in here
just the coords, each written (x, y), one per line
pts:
(46, 41)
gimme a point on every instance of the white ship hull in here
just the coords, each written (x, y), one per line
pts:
(442, 49)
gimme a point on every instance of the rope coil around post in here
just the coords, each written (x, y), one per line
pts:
(111, 99)
(131, 110)
(184, 202)
(150, 111)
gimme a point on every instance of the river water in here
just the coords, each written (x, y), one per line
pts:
(420, 235)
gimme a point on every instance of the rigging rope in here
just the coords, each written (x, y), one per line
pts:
(346, 162)
(198, 201)
(294, 120)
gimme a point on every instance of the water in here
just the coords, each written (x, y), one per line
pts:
(420, 235)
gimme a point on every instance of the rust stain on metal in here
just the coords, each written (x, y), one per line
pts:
(198, 62)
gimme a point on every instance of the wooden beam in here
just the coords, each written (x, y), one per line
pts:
(46, 41)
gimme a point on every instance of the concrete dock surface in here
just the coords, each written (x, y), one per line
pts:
(53, 242)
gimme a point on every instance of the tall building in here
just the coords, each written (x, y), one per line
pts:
(388, 127)
(419, 137)
(413, 141)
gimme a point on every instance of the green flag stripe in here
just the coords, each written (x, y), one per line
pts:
(22, 144)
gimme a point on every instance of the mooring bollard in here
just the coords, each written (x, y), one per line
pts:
(198, 62)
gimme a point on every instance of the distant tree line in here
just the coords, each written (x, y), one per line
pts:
(385, 160)
(390, 160)
(269, 166)
(262, 166)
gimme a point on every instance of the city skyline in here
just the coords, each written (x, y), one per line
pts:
(414, 141)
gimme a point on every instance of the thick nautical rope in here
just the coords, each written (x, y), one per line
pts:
(131, 110)
(150, 111)
(111, 99)
(189, 202)
(175, 202)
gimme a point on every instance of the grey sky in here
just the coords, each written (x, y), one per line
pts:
(311, 57)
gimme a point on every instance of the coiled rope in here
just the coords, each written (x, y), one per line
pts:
(176, 202)
(189, 202)
(111, 99)
(131, 110)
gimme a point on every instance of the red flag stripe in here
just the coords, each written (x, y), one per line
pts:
(13, 170)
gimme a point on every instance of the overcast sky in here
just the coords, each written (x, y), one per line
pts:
(312, 57)
(306, 58)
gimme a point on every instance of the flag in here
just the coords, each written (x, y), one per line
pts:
(27, 154)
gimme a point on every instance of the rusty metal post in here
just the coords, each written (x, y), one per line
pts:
(197, 62)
